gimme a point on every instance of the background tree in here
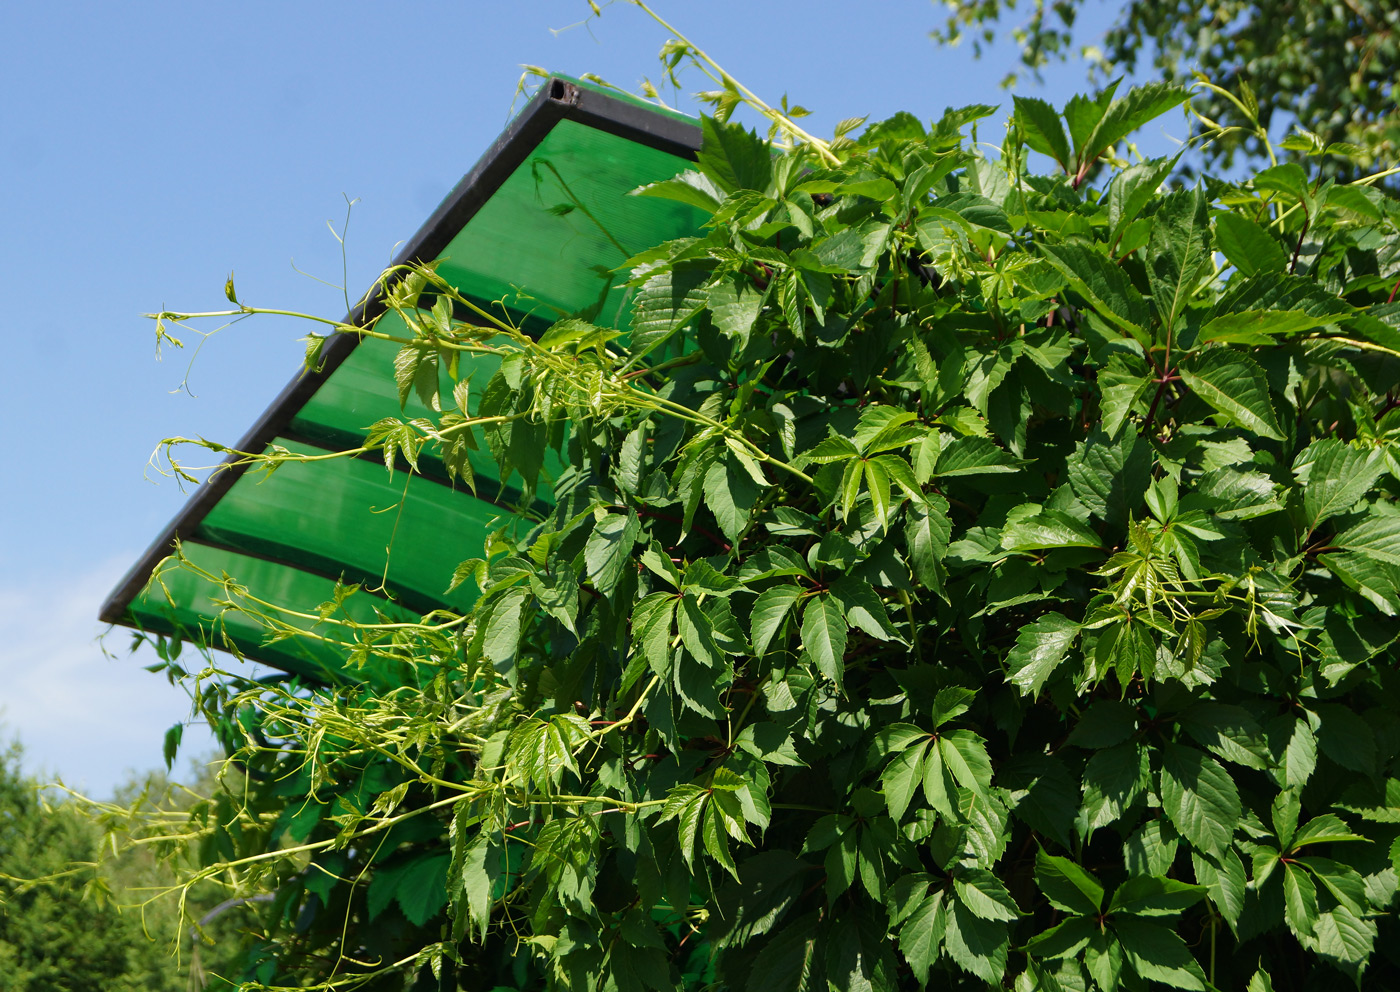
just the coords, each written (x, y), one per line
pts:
(60, 928)
(1329, 67)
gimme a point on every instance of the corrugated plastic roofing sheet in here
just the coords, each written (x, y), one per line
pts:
(535, 226)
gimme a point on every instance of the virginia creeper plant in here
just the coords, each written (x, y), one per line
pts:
(963, 575)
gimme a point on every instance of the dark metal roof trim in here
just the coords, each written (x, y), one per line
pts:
(557, 100)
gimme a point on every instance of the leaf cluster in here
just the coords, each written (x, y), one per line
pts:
(954, 577)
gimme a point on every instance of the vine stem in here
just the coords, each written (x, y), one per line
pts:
(685, 413)
(821, 147)
(632, 713)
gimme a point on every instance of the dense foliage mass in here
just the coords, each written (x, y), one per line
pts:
(1329, 67)
(959, 578)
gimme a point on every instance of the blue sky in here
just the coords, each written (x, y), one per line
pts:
(148, 149)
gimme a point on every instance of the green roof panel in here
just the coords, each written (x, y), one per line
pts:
(537, 230)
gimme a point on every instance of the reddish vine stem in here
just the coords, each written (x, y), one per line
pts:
(1293, 265)
(1162, 383)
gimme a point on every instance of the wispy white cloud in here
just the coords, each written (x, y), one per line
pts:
(82, 716)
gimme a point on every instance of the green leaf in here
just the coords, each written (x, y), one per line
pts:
(1103, 285)
(653, 619)
(735, 303)
(1342, 882)
(921, 937)
(734, 157)
(1123, 383)
(1179, 254)
(697, 632)
(1149, 896)
(1234, 384)
(1040, 649)
(1040, 127)
(1158, 954)
(1105, 723)
(824, 636)
(1132, 190)
(1256, 327)
(171, 745)
(1247, 246)
(1323, 829)
(863, 608)
(1335, 476)
(951, 703)
(730, 493)
(1083, 114)
(1289, 179)
(1377, 536)
(1346, 738)
(665, 304)
(609, 549)
(1065, 940)
(901, 779)
(1042, 793)
(973, 456)
(788, 962)
(1299, 755)
(416, 371)
(1137, 107)
(1067, 886)
(1225, 881)
(1200, 798)
(984, 895)
(770, 610)
(421, 891)
(694, 188)
(1151, 848)
(1046, 528)
(470, 879)
(1103, 959)
(502, 630)
(1345, 938)
(1378, 581)
(965, 756)
(977, 946)
(1299, 901)
(1114, 779)
(1110, 477)
(1228, 731)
